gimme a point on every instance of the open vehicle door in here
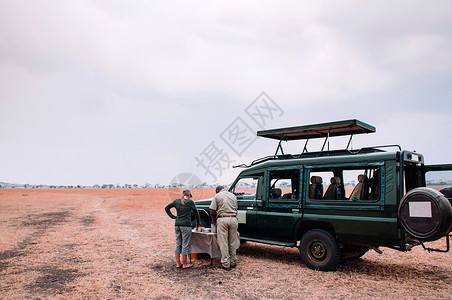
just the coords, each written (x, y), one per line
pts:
(426, 210)
(439, 177)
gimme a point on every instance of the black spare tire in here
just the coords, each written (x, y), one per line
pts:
(425, 214)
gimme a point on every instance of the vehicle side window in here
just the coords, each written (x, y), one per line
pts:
(320, 186)
(246, 188)
(362, 184)
(347, 183)
(284, 185)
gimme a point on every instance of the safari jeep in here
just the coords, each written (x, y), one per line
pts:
(338, 204)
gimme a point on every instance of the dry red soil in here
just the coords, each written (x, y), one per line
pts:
(118, 243)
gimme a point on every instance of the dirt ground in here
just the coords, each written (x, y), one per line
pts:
(118, 243)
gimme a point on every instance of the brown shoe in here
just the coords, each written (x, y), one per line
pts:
(226, 268)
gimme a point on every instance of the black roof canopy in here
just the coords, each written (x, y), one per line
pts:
(321, 130)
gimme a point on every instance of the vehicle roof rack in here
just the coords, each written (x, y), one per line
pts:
(315, 154)
(321, 130)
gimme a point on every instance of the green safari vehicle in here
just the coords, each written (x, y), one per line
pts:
(338, 204)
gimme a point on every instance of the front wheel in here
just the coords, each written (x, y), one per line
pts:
(319, 250)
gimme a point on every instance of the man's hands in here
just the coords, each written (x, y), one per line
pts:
(213, 216)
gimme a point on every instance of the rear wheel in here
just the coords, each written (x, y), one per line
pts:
(319, 250)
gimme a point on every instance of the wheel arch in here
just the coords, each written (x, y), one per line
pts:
(304, 226)
(204, 215)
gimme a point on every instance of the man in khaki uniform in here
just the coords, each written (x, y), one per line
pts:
(223, 211)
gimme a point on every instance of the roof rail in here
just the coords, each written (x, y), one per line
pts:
(364, 150)
(384, 146)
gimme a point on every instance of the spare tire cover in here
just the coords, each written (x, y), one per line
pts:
(425, 214)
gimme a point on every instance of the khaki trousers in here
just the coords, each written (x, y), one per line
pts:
(227, 236)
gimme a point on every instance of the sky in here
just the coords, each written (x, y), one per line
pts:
(136, 92)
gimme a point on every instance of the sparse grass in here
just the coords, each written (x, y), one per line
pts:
(118, 244)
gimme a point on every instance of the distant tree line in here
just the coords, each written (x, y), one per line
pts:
(96, 186)
(439, 182)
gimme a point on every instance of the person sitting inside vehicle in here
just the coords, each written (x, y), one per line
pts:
(275, 193)
(316, 188)
(373, 187)
(334, 191)
(356, 193)
(361, 190)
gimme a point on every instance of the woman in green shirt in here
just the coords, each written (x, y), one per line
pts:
(184, 207)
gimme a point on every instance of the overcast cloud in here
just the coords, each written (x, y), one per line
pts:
(97, 92)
